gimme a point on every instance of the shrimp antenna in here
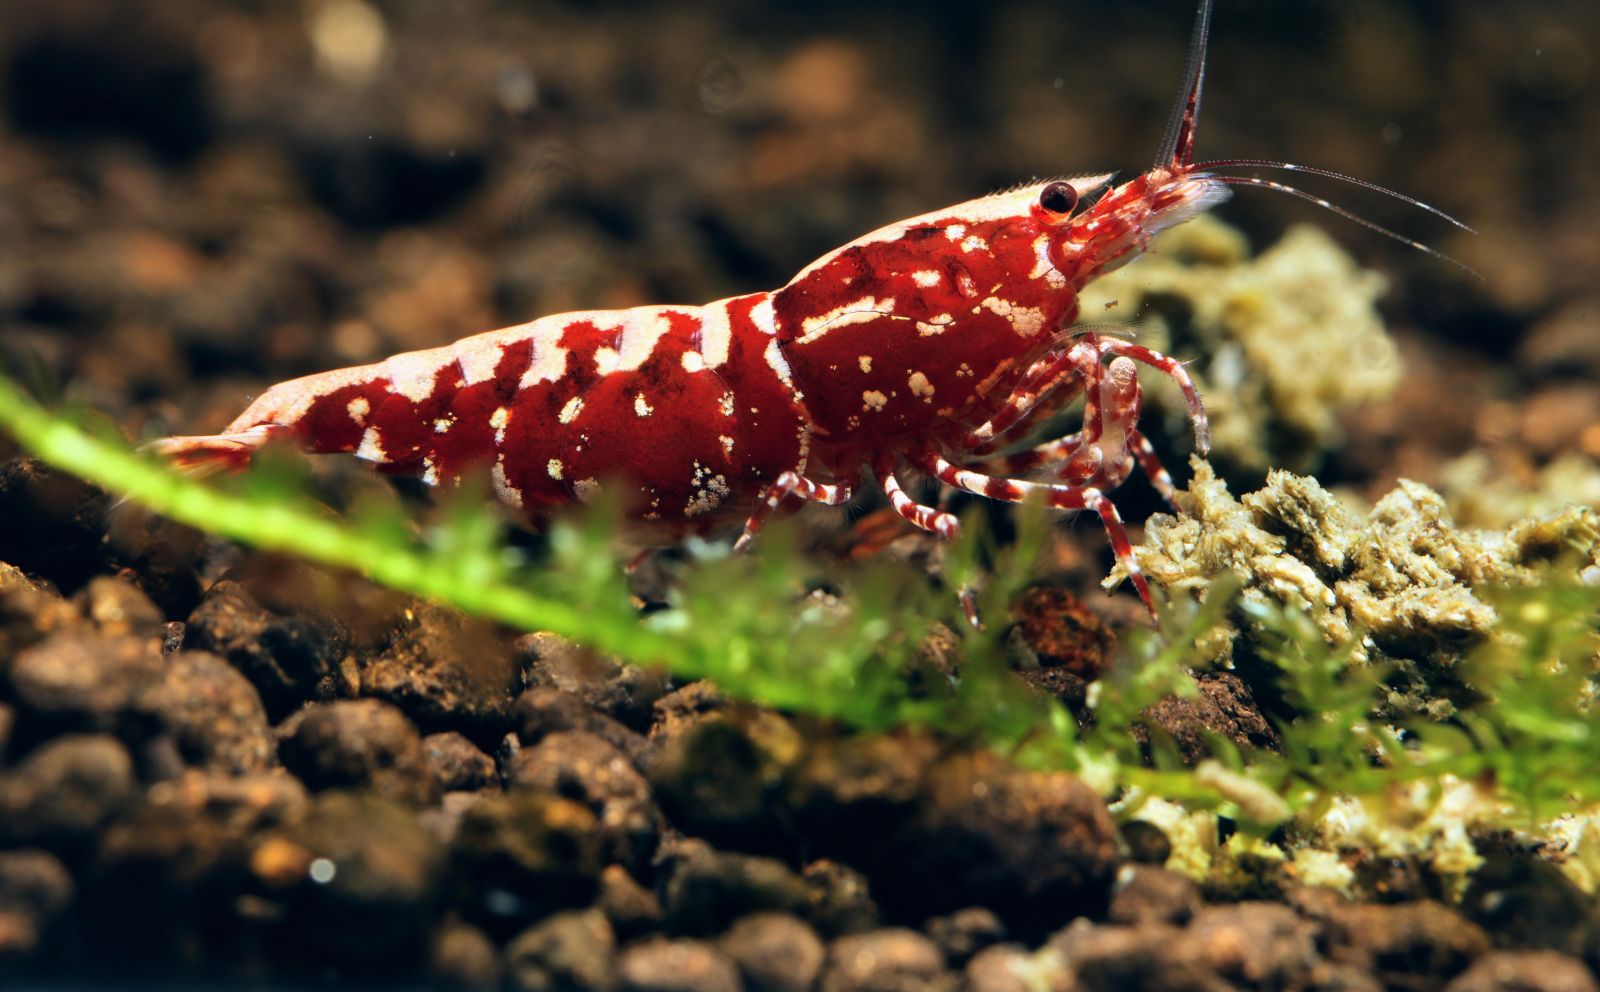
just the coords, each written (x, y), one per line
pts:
(1348, 215)
(1262, 163)
(1177, 144)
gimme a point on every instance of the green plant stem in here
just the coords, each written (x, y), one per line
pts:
(188, 501)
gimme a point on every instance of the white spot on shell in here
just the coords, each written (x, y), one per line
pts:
(926, 278)
(640, 407)
(764, 317)
(642, 329)
(727, 444)
(503, 489)
(920, 386)
(716, 334)
(929, 328)
(478, 360)
(570, 411)
(358, 409)
(1043, 268)
(553, 466)
(549, 361)
(780, 365)
(693, 362)
(1026, 321)
(443, 424)
(872, 399)
(857, 312)
(974, 243)
(371, 447)
(955, 231)
(865, 361)
(430, 472)
(725, 404)
(414, 373)
(606, 359)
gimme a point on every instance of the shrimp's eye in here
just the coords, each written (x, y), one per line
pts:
(1058, 198)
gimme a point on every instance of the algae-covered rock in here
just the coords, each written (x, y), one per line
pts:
(1279, 343)
(1402, 579)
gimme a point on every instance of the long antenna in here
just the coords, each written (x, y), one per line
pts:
(1260, 183)
(1177, 144)
(1262, 163)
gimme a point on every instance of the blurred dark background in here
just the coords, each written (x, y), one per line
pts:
(201, 197)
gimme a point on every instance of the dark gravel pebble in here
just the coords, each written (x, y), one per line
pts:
(1012, 968)
(117, 608)
(662, 965)
(540, 712)
(852, 794)
(1524, 971)
(587, 770)
(964, 933)
(213, 713)
(457, 763)
(705, 890)
(61, 795)
(64, 538)
(1144, 894)
(516, 858)
(463, 957)
(632, 909)
(35, 889)
(625, 693)
(1113, 958)
(775, 952)
(1224, 706)
(721, 778)
(889, 960)
(1396, 942)
(446, 672)
(1251, 944)
(179, 877)
(286, 654)
(1037, 848)
(370, 890)
(358, 743)
(838, 899)
(685, 707)
(1147, 843)
(565, 952)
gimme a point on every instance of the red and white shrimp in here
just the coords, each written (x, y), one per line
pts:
(925, 344)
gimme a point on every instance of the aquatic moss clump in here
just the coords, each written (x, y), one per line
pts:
(1402, 585)
(1281, 342)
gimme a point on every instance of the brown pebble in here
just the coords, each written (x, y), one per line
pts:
(360, 743)
(1147, 843)
(892, 960)
(706, 889)
(775, 952)
(61, 795)
(571, 950)
(1524, 971)
(965, 932)
(1063, 633)
(1145, 894)
(586, 769)
(464, 958)
(662, 965)
(457, 763)
(1011, 968)
(632, 909)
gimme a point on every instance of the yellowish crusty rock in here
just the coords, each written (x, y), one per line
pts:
(1280, 343)
(1402, 578)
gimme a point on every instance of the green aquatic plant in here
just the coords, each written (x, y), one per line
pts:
(1518, 748)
